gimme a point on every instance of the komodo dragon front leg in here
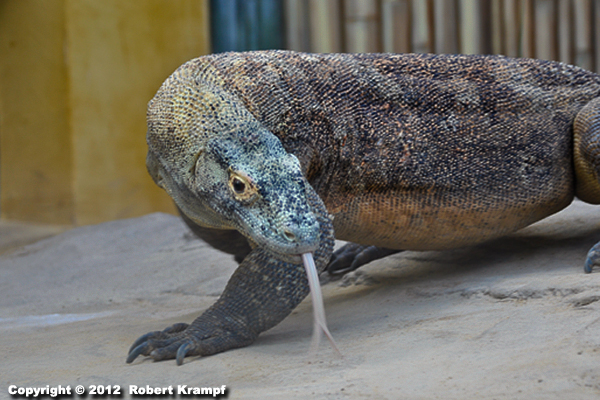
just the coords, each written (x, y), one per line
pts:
(242, 312)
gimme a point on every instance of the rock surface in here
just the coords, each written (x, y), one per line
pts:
(515, 318)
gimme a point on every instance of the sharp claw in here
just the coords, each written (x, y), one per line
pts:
(592, 258)
(589, 265)
(181, 352)
(142, 339)
(141, 349)
(341, 271)
(352, 256)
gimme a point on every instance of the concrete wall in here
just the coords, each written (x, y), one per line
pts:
(75, 78)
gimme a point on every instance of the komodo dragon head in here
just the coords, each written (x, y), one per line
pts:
(223, 168)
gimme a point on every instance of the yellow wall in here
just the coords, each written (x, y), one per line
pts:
(36, 170)
(75, 78)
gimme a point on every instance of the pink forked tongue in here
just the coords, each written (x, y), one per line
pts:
(317, 301)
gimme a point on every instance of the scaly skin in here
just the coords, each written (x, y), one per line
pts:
(242, 312)
(397, 152)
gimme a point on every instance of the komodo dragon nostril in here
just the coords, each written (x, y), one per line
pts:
(289, 235)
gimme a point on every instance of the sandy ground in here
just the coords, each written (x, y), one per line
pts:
(515, 318)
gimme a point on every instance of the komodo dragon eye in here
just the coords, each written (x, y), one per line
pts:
(241, 185)
(238, 185)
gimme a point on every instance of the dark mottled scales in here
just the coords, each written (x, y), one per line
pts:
(443, 135)
(396, 152)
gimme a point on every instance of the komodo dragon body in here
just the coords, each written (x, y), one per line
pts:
(267, 154)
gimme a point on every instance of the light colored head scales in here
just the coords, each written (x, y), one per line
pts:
(189, 108)
(200, 136)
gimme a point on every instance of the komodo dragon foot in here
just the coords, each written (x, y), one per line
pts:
(157, 342)
(352, 256)
(239, 315)
(204, 337)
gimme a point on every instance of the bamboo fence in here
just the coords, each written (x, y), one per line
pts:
(562, 30)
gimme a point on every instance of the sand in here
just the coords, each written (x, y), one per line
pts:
(515, 318)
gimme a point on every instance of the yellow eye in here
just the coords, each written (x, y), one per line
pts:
(241, 185)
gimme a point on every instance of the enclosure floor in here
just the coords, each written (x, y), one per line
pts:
(515, 318)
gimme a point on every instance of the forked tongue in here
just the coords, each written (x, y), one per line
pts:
(320, 325)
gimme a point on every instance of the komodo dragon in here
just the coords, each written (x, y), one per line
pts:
(266, 154)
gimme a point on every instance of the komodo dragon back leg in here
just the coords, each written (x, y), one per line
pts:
(586, 149)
